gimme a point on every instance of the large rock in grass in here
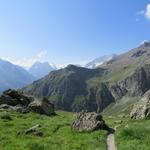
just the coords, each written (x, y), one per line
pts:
(12, 100)
(42, 106)
(19, 96)
(142, 108)
(6, 99)
(89, 122)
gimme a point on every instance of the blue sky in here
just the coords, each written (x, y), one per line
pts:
(71, 31)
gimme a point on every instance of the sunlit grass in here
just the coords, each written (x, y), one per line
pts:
(130, 134)
(57, 133)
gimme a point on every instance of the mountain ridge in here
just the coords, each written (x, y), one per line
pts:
(125, 76)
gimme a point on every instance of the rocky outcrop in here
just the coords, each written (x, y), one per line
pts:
(42, 106)
(134, 85)
(118, 91)
(12, 100)
(142, 108)
(5, 99)
(89, 122)
(18, 97)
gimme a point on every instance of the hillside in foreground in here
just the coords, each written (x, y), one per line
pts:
(57, 133)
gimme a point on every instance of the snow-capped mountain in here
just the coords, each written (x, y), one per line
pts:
(41, 69)
(13, 76)
(99, 61)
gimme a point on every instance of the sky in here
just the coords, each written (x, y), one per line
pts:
(70, 31)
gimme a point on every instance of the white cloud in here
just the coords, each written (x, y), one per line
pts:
(25, 62)
(28, 62)
(41, 57)
(147, 12)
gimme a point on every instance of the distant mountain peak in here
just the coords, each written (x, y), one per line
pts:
(41, 69)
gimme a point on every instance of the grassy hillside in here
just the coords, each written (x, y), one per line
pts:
(122, 107)
(130, 134)
(57, 134)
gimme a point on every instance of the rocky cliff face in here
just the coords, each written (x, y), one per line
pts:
(135, 85)
(68, 89)
(65, 87)
(95, 99)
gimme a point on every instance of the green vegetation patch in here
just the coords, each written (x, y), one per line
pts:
(57, 133)
(130, 134)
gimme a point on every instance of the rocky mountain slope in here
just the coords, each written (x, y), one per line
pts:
(141, 108)
(75, 88)
(65, 87)
(13, 76)
(39, 69)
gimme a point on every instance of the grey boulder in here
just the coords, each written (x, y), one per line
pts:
(19, 96)
(142, 108)
(89, 122)
(12, 100)
(41, 106)
(6, 99)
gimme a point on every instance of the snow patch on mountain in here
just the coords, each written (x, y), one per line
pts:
(99, 61)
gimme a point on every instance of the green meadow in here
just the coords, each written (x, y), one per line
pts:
(58, 135)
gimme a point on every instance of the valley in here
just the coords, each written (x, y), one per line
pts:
(74, 75)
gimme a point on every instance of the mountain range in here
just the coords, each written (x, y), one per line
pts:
(13, 76)
(120, 81)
